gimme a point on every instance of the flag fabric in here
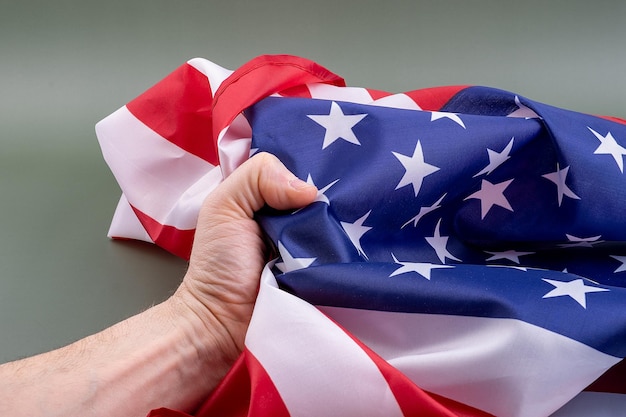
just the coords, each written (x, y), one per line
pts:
(465, 255)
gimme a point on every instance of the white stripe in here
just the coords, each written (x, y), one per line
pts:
(332, 92)
(503, 366)
(234, 144)
(157, 177)
(125, 223)
(316, 367)
(215, 74)
(397, 101)
(234, 140)
(361, 96)
(594, 404)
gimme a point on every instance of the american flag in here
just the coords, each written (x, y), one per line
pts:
(465, 254)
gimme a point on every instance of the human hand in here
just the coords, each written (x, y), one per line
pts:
(228, 253)
(127, 369)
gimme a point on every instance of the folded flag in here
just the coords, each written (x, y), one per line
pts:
(465, 255)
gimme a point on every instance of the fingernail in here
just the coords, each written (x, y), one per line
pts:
(298, 184)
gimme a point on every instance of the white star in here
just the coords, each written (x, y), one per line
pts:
(622, 259)
(421, 268)
(496, 159)
(511, 255)
(424, 211)
(575, 289)
(522, 111)
(491, 195)
(321, 196)
(415, 169)
(436, 115)
(355, 231)
(558, 177)
(609, 146)
(585, 242)
(290, 263)
(439, 244)
(337, 125)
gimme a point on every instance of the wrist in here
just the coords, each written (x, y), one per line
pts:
(215, 347)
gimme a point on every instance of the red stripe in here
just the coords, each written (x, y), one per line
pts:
(413, 401)
(299, 91)
(178, 108)
(614, 119)
(611, 381)
(173, 240)
(433, 99)
(231, 398)
(246, 391)
(262, 77)
(459, 409)
(181, 109)
(377, 94)
(165, 412)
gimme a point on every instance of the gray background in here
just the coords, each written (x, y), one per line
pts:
(66, 64)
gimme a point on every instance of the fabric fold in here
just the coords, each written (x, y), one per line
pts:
(465, 254)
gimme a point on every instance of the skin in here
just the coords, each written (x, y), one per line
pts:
(173, 354)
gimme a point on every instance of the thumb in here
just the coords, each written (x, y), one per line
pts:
(261, 180)
(228, 251)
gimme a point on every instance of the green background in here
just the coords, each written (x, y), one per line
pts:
(64, 65)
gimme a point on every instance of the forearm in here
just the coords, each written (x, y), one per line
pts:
(175, 353)
(162, 357)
